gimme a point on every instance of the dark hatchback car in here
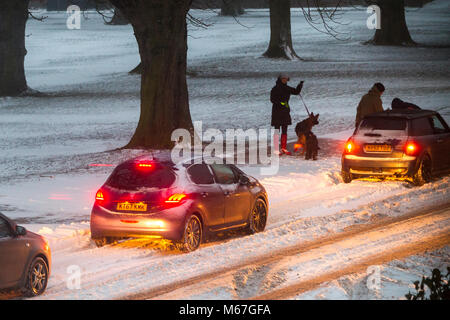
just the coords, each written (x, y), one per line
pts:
(25, 259)
(145, 197)
(412, 143)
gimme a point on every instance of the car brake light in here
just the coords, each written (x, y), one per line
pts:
(99, 196)
(144, 165)
(411, 148)
(349, 147)
(176, 198)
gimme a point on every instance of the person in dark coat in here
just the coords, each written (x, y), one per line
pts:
(370, 103)
(398, 104)
(281, 117)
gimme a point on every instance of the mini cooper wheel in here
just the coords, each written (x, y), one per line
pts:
(37, 278)
(423, 174)
(258, 217)
(192, 235)
(103, 241)
(347, 177)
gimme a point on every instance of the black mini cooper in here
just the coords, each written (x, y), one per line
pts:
(405, 143)
(146, 197)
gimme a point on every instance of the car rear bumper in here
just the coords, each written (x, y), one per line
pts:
(167, 224)
(379, 166)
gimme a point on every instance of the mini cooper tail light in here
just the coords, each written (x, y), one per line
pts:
(350, 146)
(411, 148)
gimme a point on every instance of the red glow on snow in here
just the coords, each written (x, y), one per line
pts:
(55, 196)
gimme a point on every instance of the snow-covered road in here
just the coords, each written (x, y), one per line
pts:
(287, 273)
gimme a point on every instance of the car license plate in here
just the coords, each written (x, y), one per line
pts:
(378, 148)
(127, 206)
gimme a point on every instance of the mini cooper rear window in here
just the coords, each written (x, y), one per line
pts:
(379, 123)
(131, 177)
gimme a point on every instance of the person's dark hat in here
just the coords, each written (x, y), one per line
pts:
(380, 86)
(283, 76)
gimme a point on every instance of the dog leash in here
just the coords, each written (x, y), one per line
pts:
(307, 111)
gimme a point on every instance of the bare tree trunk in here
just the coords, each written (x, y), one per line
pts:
(231, 8)
(137, 69)
(280, 45)
(394, 30)
(13, 18)
(161, 32)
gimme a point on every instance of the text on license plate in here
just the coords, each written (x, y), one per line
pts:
(378, 148)
(127, 206)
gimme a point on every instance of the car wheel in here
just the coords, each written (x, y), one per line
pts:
(192, 235)
(423, 174)
(347, 177)
(37, 278)
(258, 217)
(103, 241)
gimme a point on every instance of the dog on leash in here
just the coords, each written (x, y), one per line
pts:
(307, 141)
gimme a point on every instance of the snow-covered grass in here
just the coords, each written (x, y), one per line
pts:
(91, 107)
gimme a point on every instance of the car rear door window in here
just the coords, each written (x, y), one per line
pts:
(5, 230)
(132, 177)
(421, 127)
(224, 174)
(200, 174)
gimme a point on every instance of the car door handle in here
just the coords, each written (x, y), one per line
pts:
(440, 140)
(227, 193)
(204, 194)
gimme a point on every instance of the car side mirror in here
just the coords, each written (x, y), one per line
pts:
(244, 180)
(21, 231)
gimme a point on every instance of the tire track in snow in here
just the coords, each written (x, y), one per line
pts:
(417, 219)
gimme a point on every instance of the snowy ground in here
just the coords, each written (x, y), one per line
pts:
(91, 107)
(397, 279)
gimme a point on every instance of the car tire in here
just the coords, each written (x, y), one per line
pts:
(192, 235)
(258, 217)
(423, 174)
(347, 177)
(103, 241)
(37, 278)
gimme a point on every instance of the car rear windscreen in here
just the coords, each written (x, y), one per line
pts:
(384, 124)
(132, 177)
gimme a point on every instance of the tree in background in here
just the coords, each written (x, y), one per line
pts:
(231, 8)
(280, 45)
(13, 19)
(394, 30)
(161, 32)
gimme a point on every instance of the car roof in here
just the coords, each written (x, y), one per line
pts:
(404, 114)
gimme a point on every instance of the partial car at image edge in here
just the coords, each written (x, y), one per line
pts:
(25, 259)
